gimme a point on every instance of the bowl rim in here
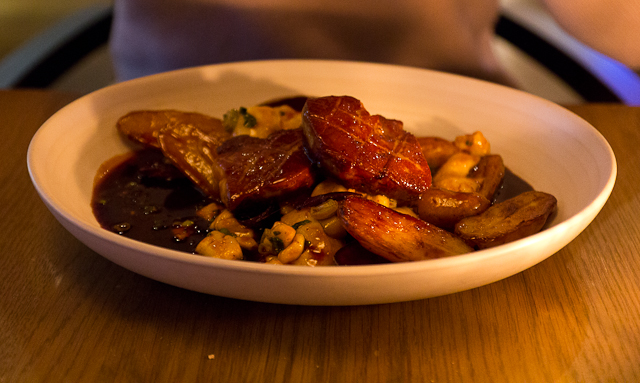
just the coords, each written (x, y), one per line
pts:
(580, 219)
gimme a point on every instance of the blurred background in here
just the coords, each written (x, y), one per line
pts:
(21, 21)
(29, 25)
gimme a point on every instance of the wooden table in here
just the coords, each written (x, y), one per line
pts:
(69, 315)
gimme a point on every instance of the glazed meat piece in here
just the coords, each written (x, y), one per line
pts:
(366, 152)
(257, 170)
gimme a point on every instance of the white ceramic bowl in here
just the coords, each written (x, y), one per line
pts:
(551, 148)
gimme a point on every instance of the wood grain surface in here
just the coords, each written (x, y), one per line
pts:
(69, 315)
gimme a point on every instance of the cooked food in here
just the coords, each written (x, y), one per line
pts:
(395, 236)
(144, 126)
(437, 150)
(261, 120)
(444, 208)
(255, 170)
(145, 197)
(299, 238)
(489, 173)
(365, 152)
(507, 221)
(192, 149)
(188, 139)
(325, 184)
(464, 186)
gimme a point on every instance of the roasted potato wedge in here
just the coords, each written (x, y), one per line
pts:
(144, 126)
(395, 236)
(193, 150)
(188, 139)
(490, 170)
(437, 150)
(464, 186)
(444, 208)
(507, 221)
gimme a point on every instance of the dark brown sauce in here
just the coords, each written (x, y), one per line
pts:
(295, 102)
(146, 198)
(512, 185)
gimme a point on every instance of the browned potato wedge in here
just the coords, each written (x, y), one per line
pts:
(444, 208)
(437, 150)
(192, 148)
(144, 126)
(395, 236)
(507, 221)
(188, 139)
(491, 171)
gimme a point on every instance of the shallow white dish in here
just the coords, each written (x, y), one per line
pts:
(551, 148)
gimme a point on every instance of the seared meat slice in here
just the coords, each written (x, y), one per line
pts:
(257, 170)
(368, 153)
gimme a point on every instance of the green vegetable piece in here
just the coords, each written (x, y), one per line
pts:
(249, 120)
(277, 244)
(230, 119)
(298, 224)
(226, 231)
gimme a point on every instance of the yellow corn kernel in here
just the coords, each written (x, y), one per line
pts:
(246, 241)
(406, 210)
(210, 211)
(475, 144)
(273, 260)
(459, 184)
(219, 245)
(325, 210)
(283, 231)
(293, 251)
(333, 227)
(458, 165)
(225, 221)
(328, 186)
(383, 200)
